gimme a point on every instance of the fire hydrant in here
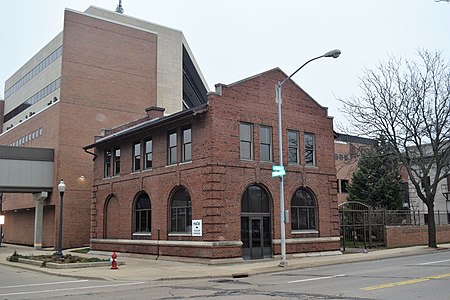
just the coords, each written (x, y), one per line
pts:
(114, 261)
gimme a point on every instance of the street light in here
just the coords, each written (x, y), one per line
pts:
(61, 189)
(2, 221)
(334, 54)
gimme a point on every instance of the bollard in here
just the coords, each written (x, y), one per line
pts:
(114, 261)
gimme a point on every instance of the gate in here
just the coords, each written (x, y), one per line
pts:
(360, 226)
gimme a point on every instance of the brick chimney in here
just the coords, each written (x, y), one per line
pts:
(154, 112)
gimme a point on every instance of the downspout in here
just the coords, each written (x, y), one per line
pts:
(91, 153)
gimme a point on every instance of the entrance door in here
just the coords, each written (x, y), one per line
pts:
(256, 232)
(256, 237)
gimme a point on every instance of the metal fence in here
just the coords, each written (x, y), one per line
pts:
(363, 227)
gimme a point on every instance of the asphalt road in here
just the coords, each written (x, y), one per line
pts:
(412, 277)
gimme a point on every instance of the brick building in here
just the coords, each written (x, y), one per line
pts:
(347, 150)
(102, 70)
(157, 177)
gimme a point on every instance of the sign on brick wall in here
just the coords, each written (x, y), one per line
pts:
(196, 227)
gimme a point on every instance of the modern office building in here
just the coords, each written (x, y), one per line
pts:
(102, 70)
(198, 183)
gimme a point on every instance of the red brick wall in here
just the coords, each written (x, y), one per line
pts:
(397, 236)
(48, 227)
(185, 251)
(108, 78)
(112, 230)
(15, 220)
(217, 179)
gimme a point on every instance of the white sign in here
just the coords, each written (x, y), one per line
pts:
(197, 228)
(2, 219)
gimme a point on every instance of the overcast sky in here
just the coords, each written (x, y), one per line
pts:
(234, 39)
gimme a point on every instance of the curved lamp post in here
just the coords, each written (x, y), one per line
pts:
(335, 54)
(61, 189)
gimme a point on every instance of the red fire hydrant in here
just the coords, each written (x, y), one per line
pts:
(114, 261)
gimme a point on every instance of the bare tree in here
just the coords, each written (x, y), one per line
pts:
(408, 102)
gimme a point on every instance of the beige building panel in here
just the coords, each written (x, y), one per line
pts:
(37, 83)
(44, 103)
(41, 80)
(35, 60)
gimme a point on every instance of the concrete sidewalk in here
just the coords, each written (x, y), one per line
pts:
(147, 268)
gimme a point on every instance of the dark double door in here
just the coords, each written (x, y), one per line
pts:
(256, 236)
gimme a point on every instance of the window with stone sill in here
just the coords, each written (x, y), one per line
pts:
(136, 156)
(142, 214)
(181, 212)
(172, 147)
(148, 150)
(246, 141)
(186, 150)
(303, 211)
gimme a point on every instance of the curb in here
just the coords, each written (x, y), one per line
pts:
(221, 271)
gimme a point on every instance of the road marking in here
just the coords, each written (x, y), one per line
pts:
(433, 262)
(73, 289)
(317, 278)
(40, 284)
(392, 284)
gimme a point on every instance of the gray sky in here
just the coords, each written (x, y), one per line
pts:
(235, 39)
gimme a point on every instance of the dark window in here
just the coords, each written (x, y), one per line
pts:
(148, 154)
(143, 214)
(116, 161)
(303, 210)
(33, 99)
(187, 145)
(293, 147)
(265, 143)
(181, 212)
(172, 148)
(344, 186)
(425, 218)
(310, 149)
(246, 138)
(136, 156)
(107, 164)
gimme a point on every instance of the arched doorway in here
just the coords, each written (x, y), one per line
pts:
(256, 231)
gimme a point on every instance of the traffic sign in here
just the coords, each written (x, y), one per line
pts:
(278, 171)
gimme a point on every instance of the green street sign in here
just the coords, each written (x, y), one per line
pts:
(278, 171)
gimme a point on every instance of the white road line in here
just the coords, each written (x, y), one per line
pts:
(73, 289)
(317, 278)
(433, 262)
(41, 284)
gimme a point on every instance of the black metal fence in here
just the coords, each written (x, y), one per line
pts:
(363, 227)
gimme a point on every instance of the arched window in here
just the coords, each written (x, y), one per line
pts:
(143, 214)
(255, 200)
(303, 210)
(181, 212)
